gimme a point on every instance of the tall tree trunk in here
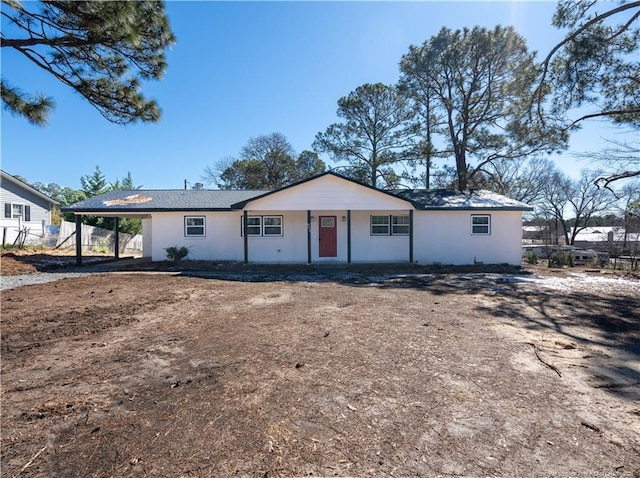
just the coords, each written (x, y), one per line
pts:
(427, 179)
(461, 168)
(374, 167)
(428, 172)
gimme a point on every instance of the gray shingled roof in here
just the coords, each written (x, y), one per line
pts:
(444, 199)
(162, 200)
(144, 201)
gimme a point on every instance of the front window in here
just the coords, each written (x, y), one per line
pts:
(254, 225)
(480, 225)
(272, 225)
(263, 226)
(400, 225)
(390, 225)
(194, 226)
(379, 225)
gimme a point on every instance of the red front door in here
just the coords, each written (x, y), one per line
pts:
(328, 236)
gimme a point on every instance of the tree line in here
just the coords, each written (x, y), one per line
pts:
(476, 97)
(479, 98)
(90, 185)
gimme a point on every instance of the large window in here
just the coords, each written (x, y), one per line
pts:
(194, 226)
(390, 225)
(266, 226)
(272, 226)
(400, 225)
(254, 225)
(481, 225)
(17, 211)
(379, 225)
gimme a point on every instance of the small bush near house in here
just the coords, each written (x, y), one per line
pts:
(532, 257)
(176, 254)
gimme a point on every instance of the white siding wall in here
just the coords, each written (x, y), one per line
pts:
(368, 248)
(222, 241)
(439, 237)
(445, 237)
(147, 237)
(290, 248)
(328, 193)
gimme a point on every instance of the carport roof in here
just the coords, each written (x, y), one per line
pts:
(156, 200)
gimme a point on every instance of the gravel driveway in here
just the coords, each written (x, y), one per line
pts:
(11, 282)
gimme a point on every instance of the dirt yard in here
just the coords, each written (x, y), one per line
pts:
(153, 374)
(26, 261)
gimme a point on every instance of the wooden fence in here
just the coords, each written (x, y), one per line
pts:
(98, 239)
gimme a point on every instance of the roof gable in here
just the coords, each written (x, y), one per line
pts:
(328, 191)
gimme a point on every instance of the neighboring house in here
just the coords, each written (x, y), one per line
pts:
(534, 234)
(608, 238)
(26, 212)
(325, 218)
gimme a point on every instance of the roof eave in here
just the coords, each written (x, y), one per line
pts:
(143, 211)
(12, 179)
(479, 208)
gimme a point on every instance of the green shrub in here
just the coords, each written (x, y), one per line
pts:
(101, 246)
(532, 257)
(176, 254)
(560, 259)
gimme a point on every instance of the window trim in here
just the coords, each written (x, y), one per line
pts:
(331, 219)
(390, 225)
(265, 226)
(25, 211)
(372, 225)
(407, 225)
(487, 225)
(203, 226)
(251, 226)
(13, 214)
(262, 226)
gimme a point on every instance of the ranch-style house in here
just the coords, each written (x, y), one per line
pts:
(325, 218)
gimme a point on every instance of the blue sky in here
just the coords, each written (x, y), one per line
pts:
(246, 69)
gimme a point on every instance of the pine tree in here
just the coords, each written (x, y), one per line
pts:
(100, 49)
(480, 83)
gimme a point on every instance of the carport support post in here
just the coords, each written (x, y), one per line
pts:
(349, 236)
(78, 240)
(308, 237)
(411, 236)
(116, 241)
(245, 216)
